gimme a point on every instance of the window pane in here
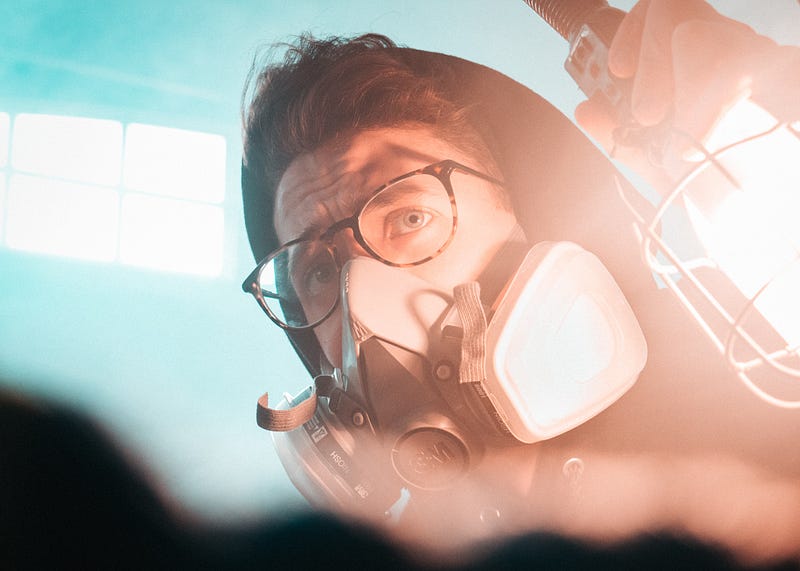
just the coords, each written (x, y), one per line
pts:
(174, 162)
(75, 148)
(62, 218)
(171, 235)
(3, 139)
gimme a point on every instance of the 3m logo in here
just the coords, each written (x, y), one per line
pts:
(429, 458)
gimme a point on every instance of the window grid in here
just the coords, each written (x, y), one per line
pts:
(157, 202)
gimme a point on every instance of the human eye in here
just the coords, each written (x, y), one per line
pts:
(409, 208)
(311, 269)
(406, 220)
(318, 276)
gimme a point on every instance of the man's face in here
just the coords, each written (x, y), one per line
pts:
(332, 183)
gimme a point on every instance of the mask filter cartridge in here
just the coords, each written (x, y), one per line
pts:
(562, 345)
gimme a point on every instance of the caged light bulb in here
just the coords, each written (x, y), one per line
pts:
(741, 196)
(746, 212)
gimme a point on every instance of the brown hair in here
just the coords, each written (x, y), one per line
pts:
(325, 90)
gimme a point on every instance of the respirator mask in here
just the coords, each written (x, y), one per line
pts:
(431, 379)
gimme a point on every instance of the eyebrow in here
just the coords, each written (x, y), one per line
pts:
(387, 199)
(355, 201)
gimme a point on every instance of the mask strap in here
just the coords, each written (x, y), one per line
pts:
(282, 420)
(472, 369)
(473, 344)
(503, 265)
(470, 308)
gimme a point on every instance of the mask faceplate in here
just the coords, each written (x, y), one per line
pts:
(561, 345)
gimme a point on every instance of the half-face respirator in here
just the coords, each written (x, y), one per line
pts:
(430, 379)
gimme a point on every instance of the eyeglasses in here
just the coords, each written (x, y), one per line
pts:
(406, 222)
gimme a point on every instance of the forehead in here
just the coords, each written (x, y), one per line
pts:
(330, 183)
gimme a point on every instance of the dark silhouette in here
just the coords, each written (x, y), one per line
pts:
(69, 498)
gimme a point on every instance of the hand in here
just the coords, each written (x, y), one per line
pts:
(688, 65)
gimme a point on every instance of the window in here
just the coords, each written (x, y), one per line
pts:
(62, 218)
(135, 194)
(72, 148)
(176, 163)
(168, 234)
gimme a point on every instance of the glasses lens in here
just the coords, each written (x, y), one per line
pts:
(408, 221)
(300, 283)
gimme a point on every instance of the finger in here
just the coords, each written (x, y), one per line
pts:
(651, 96)
(777, 87)
(623, 55)
(653, 87)
(706, 87)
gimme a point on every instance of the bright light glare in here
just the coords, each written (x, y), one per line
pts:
(171, 235)
(4, 122)
(753, 234)
(174, 162)
(74, 148)
(62, 218)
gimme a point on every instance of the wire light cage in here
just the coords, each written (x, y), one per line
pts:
(737, 271)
